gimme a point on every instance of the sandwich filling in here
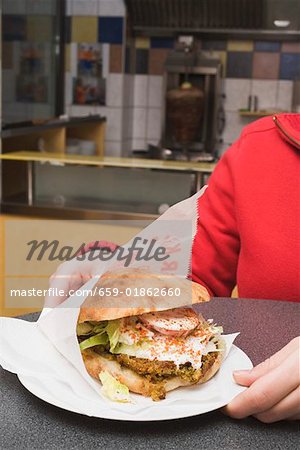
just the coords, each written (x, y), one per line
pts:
(157, 346)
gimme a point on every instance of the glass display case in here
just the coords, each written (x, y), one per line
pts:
(126, 190)
(60, 185)
(32, 60)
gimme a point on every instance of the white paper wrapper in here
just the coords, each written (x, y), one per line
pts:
(64, 381)
(47, 354)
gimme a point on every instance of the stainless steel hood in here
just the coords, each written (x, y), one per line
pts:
(218, 18)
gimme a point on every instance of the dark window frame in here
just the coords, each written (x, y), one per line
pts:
(59, 40)
(60, 58)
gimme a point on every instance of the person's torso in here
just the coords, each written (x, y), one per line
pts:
(267, 205)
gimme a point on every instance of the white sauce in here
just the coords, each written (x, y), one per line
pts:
(164, 348)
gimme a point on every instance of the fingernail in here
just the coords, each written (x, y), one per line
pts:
(241, 372)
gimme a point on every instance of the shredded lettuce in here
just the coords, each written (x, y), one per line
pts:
(212, 347)
(98, 339)
(131, 350)
(216, 329)
(100, 327)
(113, 332)
(106, 332)
(84, 329)
(113, 389)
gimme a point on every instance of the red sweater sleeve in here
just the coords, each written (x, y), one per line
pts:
(216, 245)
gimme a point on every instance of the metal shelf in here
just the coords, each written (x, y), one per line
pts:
(261, 113)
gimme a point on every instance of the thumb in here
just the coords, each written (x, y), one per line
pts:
(243, 377)
(247, 377)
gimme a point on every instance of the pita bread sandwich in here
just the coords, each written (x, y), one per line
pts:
(138, 334)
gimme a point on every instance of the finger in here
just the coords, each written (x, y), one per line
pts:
(69, 276)
(286, 408)
(267, 390)
(244, 377)
(247, 377)
(61, 286)
(296, 417)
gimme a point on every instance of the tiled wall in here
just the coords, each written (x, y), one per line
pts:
(133, 98)
(145, 109)
(240, 59)
(100, 21)
(264, 69)
(134, 69)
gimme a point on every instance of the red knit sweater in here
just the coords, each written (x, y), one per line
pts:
(248, 228)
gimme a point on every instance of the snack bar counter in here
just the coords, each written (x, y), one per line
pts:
(96, 187)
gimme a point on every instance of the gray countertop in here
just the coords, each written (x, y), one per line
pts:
(265, 326)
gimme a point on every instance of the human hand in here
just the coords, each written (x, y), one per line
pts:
(73, 274)
(68, 278)
(273, 388)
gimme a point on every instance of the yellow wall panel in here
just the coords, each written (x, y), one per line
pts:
(240, 46)
(84, 29)
(142, 42)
